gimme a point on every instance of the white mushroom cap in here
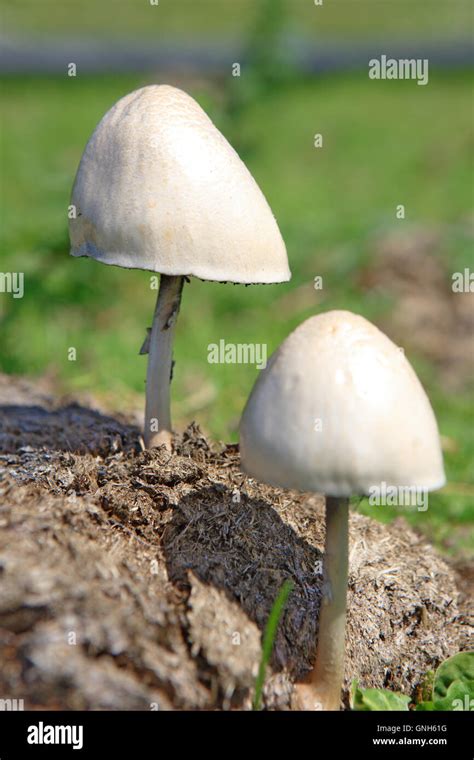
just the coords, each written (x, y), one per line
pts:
(339, 410)
(160, 188)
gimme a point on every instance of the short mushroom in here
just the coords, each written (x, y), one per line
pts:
(340, 411)
(159, 188)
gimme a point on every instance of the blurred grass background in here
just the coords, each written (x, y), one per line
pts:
(344, 19)
(385, 143)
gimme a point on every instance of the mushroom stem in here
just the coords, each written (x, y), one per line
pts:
(323, 688)
(160, 363)
(328, 670)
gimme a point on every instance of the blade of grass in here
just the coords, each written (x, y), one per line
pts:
(268, 640)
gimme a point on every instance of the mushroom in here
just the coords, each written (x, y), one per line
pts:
(159, 188)
(340, 411)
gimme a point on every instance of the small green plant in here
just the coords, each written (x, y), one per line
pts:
(425, 687)
(453, 686)
(374, 700)
(269, 639)
(452, 690)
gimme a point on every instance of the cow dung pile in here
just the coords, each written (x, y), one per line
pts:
(134, 579)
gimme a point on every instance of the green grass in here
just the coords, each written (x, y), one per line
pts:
(271, 629)
(385, 143)
(344, 19)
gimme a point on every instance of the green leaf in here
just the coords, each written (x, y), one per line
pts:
(425, 706)
(460, 696)
(356, 697)
(268, 640)
(354, 694)
(379, 699)
(460, 667)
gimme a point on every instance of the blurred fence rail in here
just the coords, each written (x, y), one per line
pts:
(213, 57)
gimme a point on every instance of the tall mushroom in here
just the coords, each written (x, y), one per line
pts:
(159, 188)
(340, 411)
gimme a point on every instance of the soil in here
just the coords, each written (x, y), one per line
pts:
(134, 579)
